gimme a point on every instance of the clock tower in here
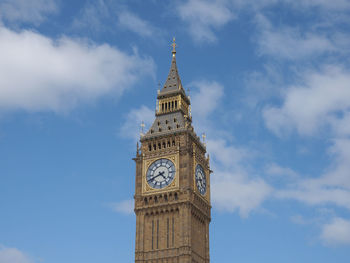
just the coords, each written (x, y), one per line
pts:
(172, 186)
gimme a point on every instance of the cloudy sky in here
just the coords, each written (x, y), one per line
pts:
(269, 83)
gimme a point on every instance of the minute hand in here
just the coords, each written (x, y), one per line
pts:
(155, 176)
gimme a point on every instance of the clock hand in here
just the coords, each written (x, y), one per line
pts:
(150, 179)
(155, 176)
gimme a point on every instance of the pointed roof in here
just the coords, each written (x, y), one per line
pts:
(173, 81)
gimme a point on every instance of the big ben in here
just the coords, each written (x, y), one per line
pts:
(172, 186)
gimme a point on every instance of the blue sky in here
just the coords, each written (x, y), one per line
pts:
(269, 85)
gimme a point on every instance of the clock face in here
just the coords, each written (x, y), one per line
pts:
(160, 173)
(201, 180)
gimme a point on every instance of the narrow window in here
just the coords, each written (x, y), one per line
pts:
(163, 144)
(159, 146)
(162, 106)
(173, 228)
(154, 147)
(152, 233)
(157, 232)
(173, 143)
(175, 196)
(175, 104)
(168, 143)
(169, 105)
(150, 147)
(166, 106)
(167, 232)
(172, 105)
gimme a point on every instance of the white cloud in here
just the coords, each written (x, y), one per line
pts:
(324, 4)
(233, 191)
(259, 86)
(312, 195)
(232, 188)
(300, 220)
(279, 171)
(322, 99)
(131, 128)
(132, 22)
(101, 15)
(206, 97)
(337, 232)
(94, 16)
(332, 187)
(232, 184)
(225, 154)
(33, 11)
(203, 17)
(38, 73)
(290, 43)
(123, 207)
(13, 255)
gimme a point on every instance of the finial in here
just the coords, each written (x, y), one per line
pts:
(142, 127)
(203, 137)
(174, 46)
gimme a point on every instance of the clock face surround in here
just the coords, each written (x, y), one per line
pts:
(160, 173)
(201, 180)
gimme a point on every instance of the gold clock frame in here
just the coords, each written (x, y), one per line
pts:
(147, 189)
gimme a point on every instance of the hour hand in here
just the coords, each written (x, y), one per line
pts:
(161, 174)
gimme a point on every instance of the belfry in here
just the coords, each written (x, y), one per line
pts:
(172, 186)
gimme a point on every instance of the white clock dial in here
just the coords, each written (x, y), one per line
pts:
(201, 180)
(160, 173)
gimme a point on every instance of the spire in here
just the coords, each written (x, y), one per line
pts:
(173, 81)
